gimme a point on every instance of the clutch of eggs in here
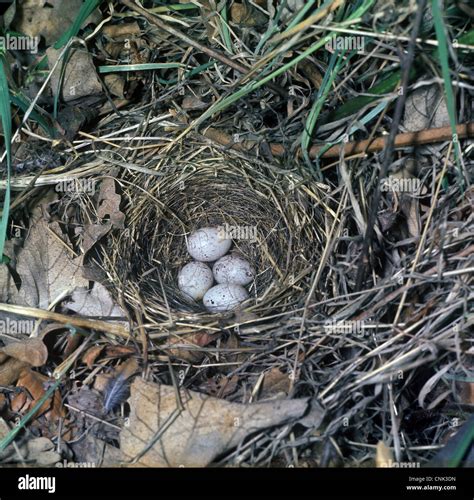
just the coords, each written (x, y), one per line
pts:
(231, 272)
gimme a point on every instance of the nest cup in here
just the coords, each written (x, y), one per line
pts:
(273, 217)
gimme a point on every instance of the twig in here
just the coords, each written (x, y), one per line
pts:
(33, 312)
(418, 138)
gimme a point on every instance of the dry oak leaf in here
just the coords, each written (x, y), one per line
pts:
(122, 31)
(32, 351)
(95, 302)
(49, 18)
(77, 79)
(275, 382)
(93, 233)
(45, 266)
(10, 370)
(115, 84)
(465, 392)
(108, 210)
(246, 15)
(36, 384)
(92, 354)
(195, 435)
(187, 346)
(109, 203)
(16, 356)
(91, 450)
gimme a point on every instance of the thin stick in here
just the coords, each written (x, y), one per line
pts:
(407, 139)
(33, 312)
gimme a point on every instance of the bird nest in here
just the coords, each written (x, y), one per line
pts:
(305, 322)
(273, 216)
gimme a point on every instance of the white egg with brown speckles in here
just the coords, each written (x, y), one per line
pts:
(208, 244)
(233, 269)
(224, 297)
(195, 279)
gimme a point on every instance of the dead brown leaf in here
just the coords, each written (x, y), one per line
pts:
(311, 72)
(3, 402)
(94, 233)
(36, 451)
(10, 370)
(35, 383)
(109, 203)
(184, 346)
(220, 386)
(48, 18)
(122, 31)
(230, 352)
(119, 351)
(110, 351)
(191, 102)
(115, 84)
(275, 382)
(246, 15)
(90, 449)
(20, 402)
(45, 265)
(96, 302)
(465, 392)
(32, 351)
(92, 354)
(205, 428)
(80, 77)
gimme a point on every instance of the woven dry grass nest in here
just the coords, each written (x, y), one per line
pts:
(275, 219)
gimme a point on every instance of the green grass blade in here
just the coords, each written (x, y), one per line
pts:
(363, 120)
(21, 102)
(452, 454)
(293, 23)
(189, 74)
(5, 113)
(448, 88)
(300, 15)
(387, 85)
(335, 64)
(138, 67)
(12, 434)
(224, 28)
(273, 28)
(85, 11)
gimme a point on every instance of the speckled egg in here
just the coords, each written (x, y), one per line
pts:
(207, 244)
(195, 279)
(224, 297)
(233, 269)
